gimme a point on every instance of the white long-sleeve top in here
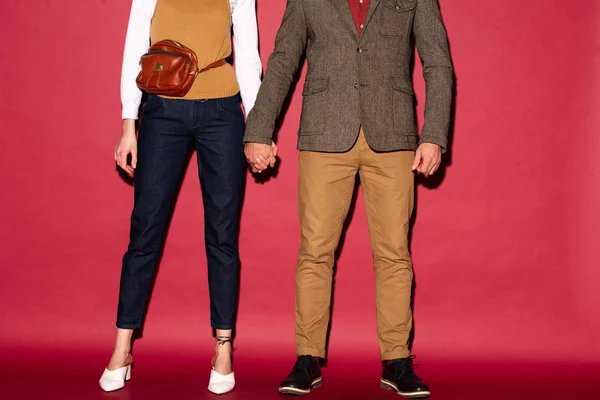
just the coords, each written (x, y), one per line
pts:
(248, 67)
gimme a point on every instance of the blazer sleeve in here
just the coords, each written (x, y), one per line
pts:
(432, 45)
(282, 67)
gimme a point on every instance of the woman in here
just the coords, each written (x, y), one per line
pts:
(210, 116)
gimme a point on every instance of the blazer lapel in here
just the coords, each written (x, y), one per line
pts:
(344, 9)
(372, 7)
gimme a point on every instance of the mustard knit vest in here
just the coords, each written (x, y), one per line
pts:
(205, 27)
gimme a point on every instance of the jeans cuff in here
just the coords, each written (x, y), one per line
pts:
(221, 326)
(128, 326)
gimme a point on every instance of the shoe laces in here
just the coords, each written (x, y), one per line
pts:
(304, 363)
(404, 366)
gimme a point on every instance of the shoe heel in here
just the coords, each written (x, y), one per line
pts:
(386, 386)
(128, 374)
(317, 383)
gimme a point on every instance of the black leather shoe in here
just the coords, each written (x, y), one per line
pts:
(400, 376)
(305, 375)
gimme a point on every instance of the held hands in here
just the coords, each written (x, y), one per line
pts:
(127, 145)
(427, 159)
(261, 156)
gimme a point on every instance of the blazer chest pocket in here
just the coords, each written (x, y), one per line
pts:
(314, 106)
(397, 16)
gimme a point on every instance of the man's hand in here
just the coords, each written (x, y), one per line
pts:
(125, 146)
(427, 158)
(261, 156)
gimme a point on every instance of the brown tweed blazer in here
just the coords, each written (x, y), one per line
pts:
(355, 81)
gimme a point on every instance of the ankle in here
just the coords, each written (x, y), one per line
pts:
(223, 346)
(122, 352)
(123, 357)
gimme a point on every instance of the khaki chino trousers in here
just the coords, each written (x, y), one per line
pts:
(326, 185)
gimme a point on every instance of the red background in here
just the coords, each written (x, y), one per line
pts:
(506, 248)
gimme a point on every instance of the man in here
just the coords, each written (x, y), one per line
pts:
(357, 117)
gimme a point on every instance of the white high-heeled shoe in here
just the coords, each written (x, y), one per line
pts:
(115, 380)
(219, 383)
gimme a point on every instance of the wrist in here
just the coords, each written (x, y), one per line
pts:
(257, 140)
(128, 127)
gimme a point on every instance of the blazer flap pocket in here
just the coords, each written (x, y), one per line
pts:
(315, 85)
(402, 85)
(400, 5)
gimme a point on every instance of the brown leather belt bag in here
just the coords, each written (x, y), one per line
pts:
(169, 68)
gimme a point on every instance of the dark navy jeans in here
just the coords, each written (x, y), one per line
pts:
(168, 127)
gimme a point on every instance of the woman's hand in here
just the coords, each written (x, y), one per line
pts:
(126, 145)
(261, 156)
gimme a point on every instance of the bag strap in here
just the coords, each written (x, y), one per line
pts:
(213, 65)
